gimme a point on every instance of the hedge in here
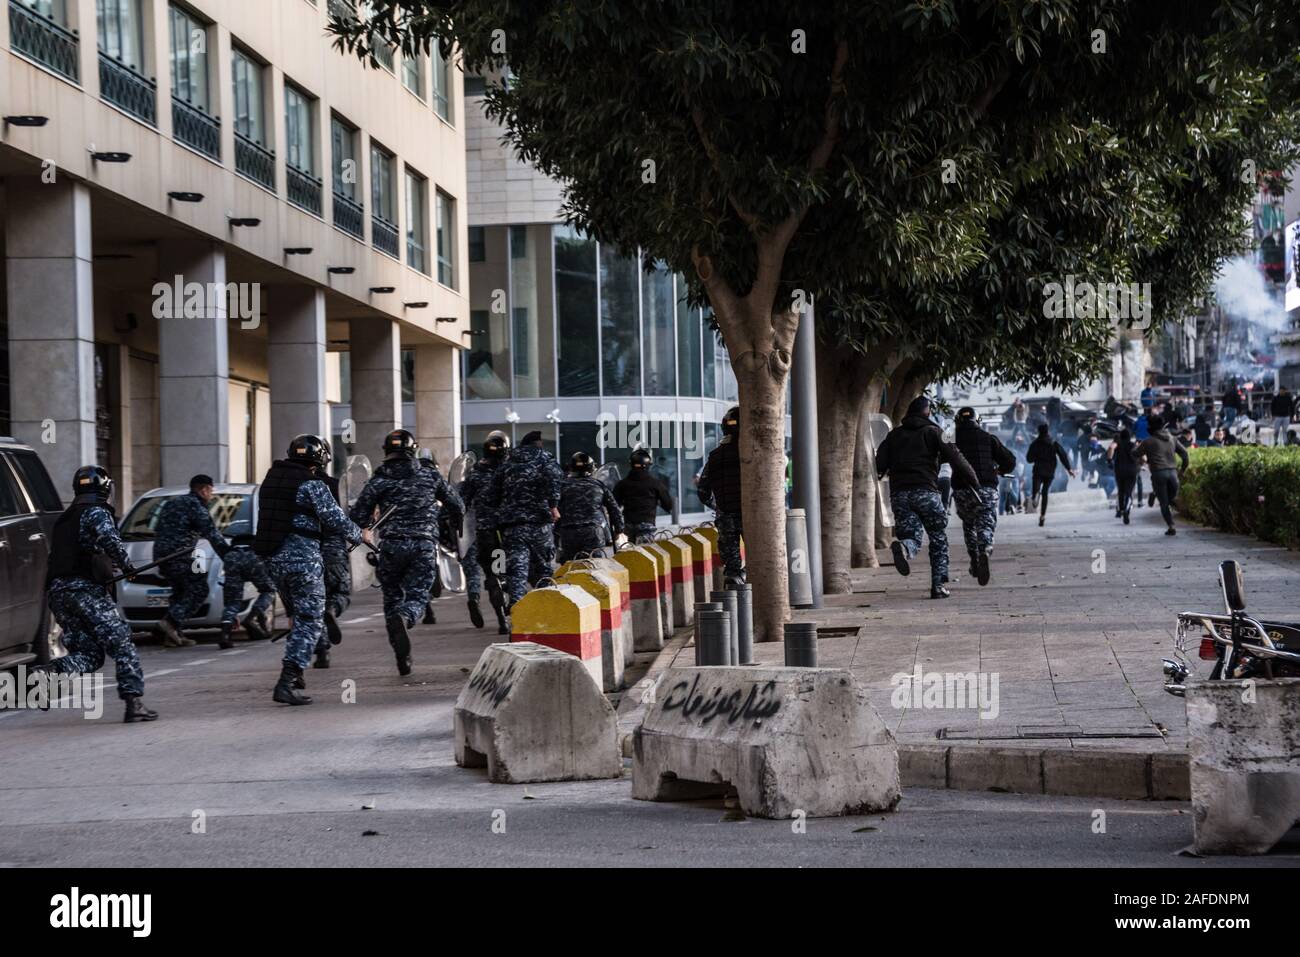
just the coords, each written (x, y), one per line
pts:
(1249, 489)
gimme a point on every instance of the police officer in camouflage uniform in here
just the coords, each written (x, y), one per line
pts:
(977, 506)
(239, 566)
(337, 558)
(182, 521)
(295, 510)
(719, 485)
(84, 547)
(640, 495)
(910, 455)
(486, 548)
(451, 518)
(589, 517)
(407, 553)
(525, 496)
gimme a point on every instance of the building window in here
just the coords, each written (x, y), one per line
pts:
(417, 256)
(383, 203)
(446, 240)
(343, 147)
(477, 245)
(487, 366)
(298, 129)
(475, 86)
(619, 323)
(533, 331)
(413, 74)
(658, 333)
(383, 55)
(441, 83)
(247, 77)
(688, 344)
(189, 51)
(121, 31)
(575, 301)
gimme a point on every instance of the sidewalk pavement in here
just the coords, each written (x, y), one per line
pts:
(1073, 625)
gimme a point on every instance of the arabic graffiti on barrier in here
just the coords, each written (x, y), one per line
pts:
(494, 683)
(761, 702)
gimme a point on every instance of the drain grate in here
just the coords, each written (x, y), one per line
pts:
(1044, 732)
(846, 632)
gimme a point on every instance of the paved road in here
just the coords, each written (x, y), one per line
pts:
(279, 785)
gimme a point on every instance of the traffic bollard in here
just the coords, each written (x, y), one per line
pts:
(801, 644)
(699, 607)
(745, 622)
(732, 604)
(714, 637)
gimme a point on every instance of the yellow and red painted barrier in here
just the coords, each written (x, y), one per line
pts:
(563, 617)
(701, 564)
(665, 564)
(604, 588)
(682, 580)
(643, 588)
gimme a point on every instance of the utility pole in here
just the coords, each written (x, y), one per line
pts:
(804, 453)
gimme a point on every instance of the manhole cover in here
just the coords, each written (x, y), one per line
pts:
(849, 632)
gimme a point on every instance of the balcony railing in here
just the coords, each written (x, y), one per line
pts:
(342, 9)
(195, 128)
(128, 89)
(349, 216)
(41, 39)
(304, 189)
(254, 161)
(383, 235)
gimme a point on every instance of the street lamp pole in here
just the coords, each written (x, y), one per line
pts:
(804, 453)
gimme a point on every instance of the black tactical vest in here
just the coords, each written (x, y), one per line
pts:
(277, 504)
(67, 558)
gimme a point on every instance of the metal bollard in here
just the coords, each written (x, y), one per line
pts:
(745, 622)
(732, 604)
(714, 631)
(699, 607)
(797, 558)
(801, 644)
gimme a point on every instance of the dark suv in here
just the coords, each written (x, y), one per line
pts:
(29, 505)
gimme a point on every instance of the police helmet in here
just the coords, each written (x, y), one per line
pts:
(93, 480)
(496, 444)
(427, 456)
(400, 442)
(967, 414)
(731, 421)
(639, 459)
(309, 449)
(580, 463)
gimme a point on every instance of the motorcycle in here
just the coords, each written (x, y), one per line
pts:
(1240, 645)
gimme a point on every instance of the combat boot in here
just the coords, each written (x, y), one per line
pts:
(225, 641)
(172, 635)
(401, 643)
(136, 710)
(430, 616)
(286, 688)
(257, 625)
(475, 615)
(322, 657)
(938, 591)
(332, 629)
(982, 567)
(900, 558)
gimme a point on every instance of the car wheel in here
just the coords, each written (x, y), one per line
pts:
(49, 640)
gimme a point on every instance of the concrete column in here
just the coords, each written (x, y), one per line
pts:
(50, 280)
(120, 463)
(376, 383)
(295, 358)
(437, 400)
(193, 365)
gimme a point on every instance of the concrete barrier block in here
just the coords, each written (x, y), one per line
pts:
(701, 563)
(710, 533)
(1244, 739)
(563, 617)
(786, 739)
(643, 586)
(619, 573)
(532, 713)
(604, 588)
(665, 566)
(682, 579)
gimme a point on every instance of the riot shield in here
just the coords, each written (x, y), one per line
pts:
(459, 470)
(449, 570)
(608, 475)
(356, 473)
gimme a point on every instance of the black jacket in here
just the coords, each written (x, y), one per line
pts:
(1281, 406)
(719, 483)
(985, 453)
(640, 495)
(1043, 454)
(911, 455)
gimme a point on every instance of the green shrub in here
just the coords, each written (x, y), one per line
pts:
(1249, 489)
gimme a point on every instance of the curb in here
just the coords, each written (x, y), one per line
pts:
(1060, 772)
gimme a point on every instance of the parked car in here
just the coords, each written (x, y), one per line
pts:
(29, 506)
(145, 599)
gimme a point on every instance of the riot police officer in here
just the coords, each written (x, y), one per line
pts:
(84, 546)
(337, 558)
(295, 509)
(589, 516)
(239, 566)
(525, 495)
(451, 518)
(182, 521)
(640, 495)
(977, 505)
(487, 549)
(408, 552)
(719, 486)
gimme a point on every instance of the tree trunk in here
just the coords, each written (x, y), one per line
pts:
(864, 481)
(762, 378)
(842, 375)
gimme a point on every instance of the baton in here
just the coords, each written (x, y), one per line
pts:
(380, 521)
(152, 564)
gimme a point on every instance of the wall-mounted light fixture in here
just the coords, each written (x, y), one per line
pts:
(244, 221)
(383, 289)
(109, 156)
(26, 120)
(297, 250)
(416, 305)
(341, 270)
(181, 196)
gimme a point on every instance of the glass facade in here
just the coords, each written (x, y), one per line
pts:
(246, 74)
(298, 130)
(189, 55)
(658, 338)
(619, 323)
(578, 350)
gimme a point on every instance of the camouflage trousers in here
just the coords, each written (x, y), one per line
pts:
(638, 533)
(530, 556)
(301, 583)
(338, 574)
(241, 565)
(978, 510)
(189, 589)
(585, 540)
(407, 567)
(917, 511)
(490, 554)
(473, 573)
(91, 628)
(730, 532)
